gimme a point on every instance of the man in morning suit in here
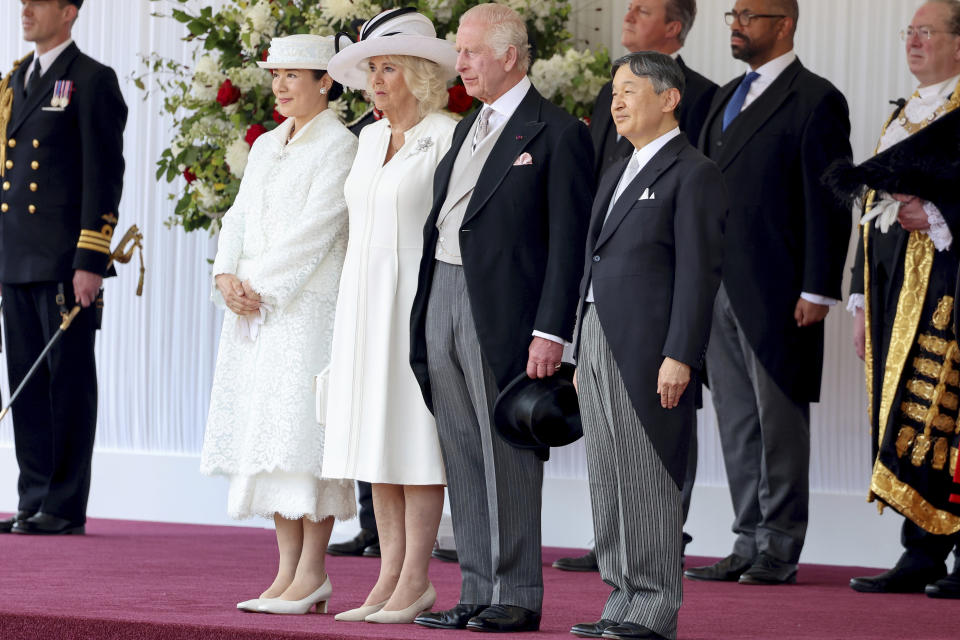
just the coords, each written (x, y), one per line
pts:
(497, 296)
(772, 132)
(656, 235)
(913, 425)
(651, 25)
(63, 174)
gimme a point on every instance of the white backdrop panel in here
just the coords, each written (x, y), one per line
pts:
(156, 354)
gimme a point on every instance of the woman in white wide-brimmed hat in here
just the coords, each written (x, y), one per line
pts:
(277, 269)
(379, 429)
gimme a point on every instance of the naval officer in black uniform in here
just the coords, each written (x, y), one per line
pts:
(63, 174)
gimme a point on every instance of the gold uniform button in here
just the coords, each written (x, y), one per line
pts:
(6, 186)
(11, 143)
(4, 207)
(33, 186)
(34, 165)
(36, 143)
(9, 164)
(32, 209)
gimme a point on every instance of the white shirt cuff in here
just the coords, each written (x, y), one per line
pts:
(939, 232)
(550, 337)
(818, 299)
(856, 302)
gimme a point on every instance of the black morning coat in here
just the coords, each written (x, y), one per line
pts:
(786, 232)
(655, 268)
(521, 237)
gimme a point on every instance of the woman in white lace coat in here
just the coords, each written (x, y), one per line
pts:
(379, 429)
(278, 263)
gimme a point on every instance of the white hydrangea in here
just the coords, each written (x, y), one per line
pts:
(442, 9)
(177, 145)
(247, 78)
(451, 37)
(207, 78)
(539, 10)
(206, 195)
(554, 76)
(339, 107)
(347, 10)
(211, 129)
(259, 23)
(236, 156)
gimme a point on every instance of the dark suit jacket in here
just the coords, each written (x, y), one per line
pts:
(655, 268)
(64, 175)
(519, 239)
(786, 233)
(691, 114)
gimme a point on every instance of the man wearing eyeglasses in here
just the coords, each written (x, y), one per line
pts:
(773, 132)
(914, 427)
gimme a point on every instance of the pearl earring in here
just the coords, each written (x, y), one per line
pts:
(323, 91)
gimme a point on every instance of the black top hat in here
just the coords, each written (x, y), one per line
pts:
(534, 413)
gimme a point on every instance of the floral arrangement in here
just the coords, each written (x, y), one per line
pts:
(222, 102)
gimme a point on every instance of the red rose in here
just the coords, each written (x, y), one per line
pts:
(278, 117)
(458, 101)
(228, 94)
(189, 176)
(265, 54)
(254, 132)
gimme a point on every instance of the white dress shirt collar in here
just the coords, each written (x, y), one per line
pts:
(944, 88)
(769, 72)
(48, 58)
(504, 106)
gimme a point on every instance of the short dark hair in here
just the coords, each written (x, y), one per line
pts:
(662, 70)
(336, 90)
(684, 12)
(791, 8)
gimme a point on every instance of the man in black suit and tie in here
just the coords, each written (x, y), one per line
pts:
(656, 235)
(497, 296)
(653, 25)
(772, 132)
(63, 174)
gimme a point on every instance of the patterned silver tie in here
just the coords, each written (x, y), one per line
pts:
(483, 126)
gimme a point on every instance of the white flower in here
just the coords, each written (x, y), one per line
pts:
(208, 65)
(347, 10)
(207, 78)
(257, 24)
(236, 156)
(247, 78)
(339, 107)
(442, 9)
(206, 195)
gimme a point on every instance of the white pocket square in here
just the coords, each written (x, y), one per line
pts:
(647, 195)
(522, 159)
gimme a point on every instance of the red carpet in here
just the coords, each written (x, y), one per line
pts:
(140, 580)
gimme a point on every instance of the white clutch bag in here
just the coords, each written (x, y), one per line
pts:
(321, 384)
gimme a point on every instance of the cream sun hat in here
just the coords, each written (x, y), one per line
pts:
(299, 51)
(394, 32)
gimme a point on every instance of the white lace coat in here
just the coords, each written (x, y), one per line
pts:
(286, 232)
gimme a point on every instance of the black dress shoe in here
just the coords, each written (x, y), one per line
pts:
(455, 618)
(447, 555)
(44, 524)
(728, 570)
(7, 524)
(354, 546)
(631, 631)
(372, 551)
(948, 587)
(587, 562)
(592, 629)
(503, 618)
(903, 578)
(769, 570)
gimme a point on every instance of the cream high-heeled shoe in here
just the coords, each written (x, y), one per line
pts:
(320, 597)
(360, 613)
(406, 616)
(250, 605)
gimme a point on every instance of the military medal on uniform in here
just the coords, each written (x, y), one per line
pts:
(61, 95)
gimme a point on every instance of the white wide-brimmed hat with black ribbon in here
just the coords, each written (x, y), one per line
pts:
(397, 32)
(300, 51)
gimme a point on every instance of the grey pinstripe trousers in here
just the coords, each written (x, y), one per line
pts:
(495, 489)
(637, 515)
